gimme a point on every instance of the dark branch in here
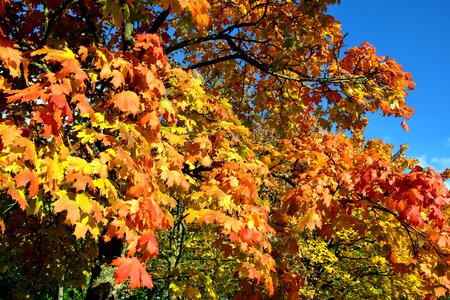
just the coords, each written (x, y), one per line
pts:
(52, 19)
(180, 249)
(408, 228)
(218, 36)
(91, 25)
(213, 61)
(285, 178)
(241, 54)
(160, 20)
(199, 40)
(249, 24)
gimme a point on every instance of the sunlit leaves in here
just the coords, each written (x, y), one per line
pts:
(10, 57)
(251, 176)
(127, 102)
(133, 269)
(198, 9)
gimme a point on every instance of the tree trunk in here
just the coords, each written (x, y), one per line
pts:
(101, 285)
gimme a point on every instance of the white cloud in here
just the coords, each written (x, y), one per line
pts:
(441, 162)
(423, 161)
(437, 163)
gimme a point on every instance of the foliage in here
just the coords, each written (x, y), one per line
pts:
(199, 149)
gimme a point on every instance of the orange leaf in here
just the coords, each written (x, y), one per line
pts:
(131, 267)
(73, 211)
(151, 120)
(151, 245)
(80, 230)
(28, 176)
(440, 291)
(249, 271)
(127, 102)
(16, 195)
(80, 181)
(83, 105)
(405, 126)
(117, 78)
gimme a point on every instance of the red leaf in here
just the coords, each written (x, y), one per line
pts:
(151, 245)
(413, 214)
(127, 102)
(413, 196)
(437, 215)
(131, 267)
(51, 126)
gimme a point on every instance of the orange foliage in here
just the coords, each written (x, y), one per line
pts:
(244, 145)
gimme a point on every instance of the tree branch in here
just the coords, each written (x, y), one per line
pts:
(241, 54)
(53, 17)
(180, 249)
(91, 25)
(285, 178)
(213, 61)
(160, 20)
(408, 227)
(199, 40)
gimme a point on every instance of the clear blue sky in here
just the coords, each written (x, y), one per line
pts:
(416, 33)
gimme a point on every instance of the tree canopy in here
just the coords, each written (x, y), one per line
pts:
(207, 149)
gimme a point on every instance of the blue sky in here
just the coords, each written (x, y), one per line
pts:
(416, 34)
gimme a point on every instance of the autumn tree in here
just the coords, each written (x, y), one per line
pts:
(199, 149)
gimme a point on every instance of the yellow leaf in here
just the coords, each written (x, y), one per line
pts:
(80, 230)
(83, 202)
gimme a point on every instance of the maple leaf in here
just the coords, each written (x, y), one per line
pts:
(440, 291)
(250, 271)
(80, 230)
(10, 57)
(112, 8)
(413, 214)
(127, 101)
(19, 196)
(414, 196)
(83, 105)
(28, 176)
(198, 9)
(312, 220)
(80, 181)
(151, 245)
(64, 203)
(117, 78)
(405, 126)
(83, 202)
(131, 267)
(150, 120)
(172, 177)
(437, 215)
